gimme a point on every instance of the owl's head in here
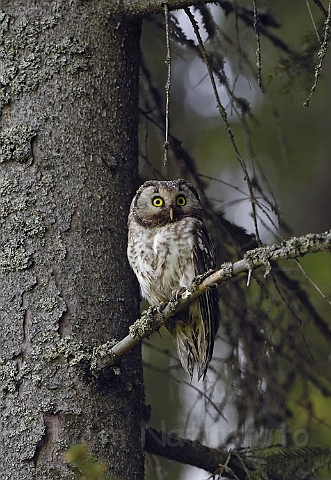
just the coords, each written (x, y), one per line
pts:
(157, 203)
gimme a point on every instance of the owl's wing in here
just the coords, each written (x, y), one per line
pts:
(209, 312)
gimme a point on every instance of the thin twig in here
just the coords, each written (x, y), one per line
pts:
(320, 6)
(190, 385)
(313, 22)
(225, 119)
(168, 84)
(321, 54)
(225, 468)
(258, 42)
(313, 283)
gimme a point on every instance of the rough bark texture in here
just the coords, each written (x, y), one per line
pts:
(68, 98)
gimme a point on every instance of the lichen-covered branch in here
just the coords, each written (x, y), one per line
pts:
(153, 318)
(321, 54)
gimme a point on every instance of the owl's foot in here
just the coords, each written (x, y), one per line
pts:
(161, 307)
(198, 279)
(177, 293)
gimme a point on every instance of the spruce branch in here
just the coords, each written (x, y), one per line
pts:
(149, 7)
(153, 318)
(250, 463)
(173, 447)
(321, 54)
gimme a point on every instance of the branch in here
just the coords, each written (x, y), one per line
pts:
(148, 7)
(242, 464)
(141, 8)
(321, 54)
(213, 460)
(153, 318)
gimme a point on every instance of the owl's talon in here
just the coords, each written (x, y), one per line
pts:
(161, 307)
(175, 294)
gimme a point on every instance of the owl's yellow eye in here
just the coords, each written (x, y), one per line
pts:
(181, 201)
(157, 201)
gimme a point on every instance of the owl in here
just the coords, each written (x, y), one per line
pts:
(168, 246)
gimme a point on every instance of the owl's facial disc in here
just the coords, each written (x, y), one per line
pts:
(158, 203)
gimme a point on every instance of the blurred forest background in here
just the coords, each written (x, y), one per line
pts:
(269, 382)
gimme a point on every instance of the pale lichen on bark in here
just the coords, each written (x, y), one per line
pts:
(31, 303)
(102, 356)
(15, 143)
(32, 61)
(13, 257)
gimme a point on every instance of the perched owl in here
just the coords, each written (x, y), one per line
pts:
(168, 246)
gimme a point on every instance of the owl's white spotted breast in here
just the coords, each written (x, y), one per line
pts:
(162, 257)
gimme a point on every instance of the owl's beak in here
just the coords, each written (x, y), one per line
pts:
(171, 213)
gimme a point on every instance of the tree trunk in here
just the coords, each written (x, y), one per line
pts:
(68, 166)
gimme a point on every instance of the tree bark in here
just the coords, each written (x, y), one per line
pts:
(68, 169)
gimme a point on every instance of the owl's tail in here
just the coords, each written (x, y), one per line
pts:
(194, 340)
